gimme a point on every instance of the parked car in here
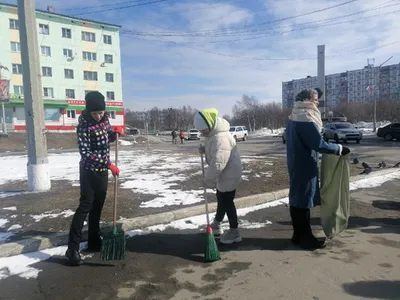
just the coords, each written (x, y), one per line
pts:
(389, 132)
(193, 134)
(342, 131)
(239, 132)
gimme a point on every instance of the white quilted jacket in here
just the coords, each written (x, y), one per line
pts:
(223, 158)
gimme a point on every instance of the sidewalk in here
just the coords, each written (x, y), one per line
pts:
(362, 263)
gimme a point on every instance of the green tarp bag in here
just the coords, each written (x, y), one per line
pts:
(335, 194)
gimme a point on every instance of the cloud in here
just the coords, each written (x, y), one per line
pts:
(228, 54)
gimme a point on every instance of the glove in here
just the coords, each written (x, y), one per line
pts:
(202, 149)
(114, 169)
(119, 130)
(345, 151)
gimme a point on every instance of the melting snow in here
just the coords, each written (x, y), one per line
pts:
(65, 214)
(10, 208)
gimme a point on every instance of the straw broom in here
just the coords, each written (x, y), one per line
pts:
(114, 243)
(211, 251)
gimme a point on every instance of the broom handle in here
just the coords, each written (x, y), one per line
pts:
(204, 187)
(115, 183)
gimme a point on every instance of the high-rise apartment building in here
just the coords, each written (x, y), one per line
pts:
(76, 56)
(358, 86)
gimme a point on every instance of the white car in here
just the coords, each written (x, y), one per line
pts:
(194, 134)
(239, 132)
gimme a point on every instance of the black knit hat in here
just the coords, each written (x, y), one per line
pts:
(95, 102)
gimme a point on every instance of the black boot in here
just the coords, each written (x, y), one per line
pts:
(296, 223)
(94, 244)
(308, 240)
(74, 257)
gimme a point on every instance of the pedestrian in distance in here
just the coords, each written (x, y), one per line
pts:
(182, 136)
(224, 170)
(94, 134)
(174, 135)
(304, 142)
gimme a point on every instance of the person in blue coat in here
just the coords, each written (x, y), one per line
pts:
(304, 142)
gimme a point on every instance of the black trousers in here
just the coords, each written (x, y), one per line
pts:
(301, 221)
(226, 206)
(93, 187)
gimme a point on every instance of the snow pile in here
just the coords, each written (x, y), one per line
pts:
(266, 132)
(126, 143)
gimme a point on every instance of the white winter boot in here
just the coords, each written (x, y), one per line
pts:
(231, 236)
(217, 227)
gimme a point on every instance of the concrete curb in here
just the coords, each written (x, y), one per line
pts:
(60, 239)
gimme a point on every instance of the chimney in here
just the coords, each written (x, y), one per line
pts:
(50, 8)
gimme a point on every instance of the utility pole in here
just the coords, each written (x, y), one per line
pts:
(38, 165)
(378, 78)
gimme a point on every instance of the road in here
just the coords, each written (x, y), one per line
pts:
(362, 263)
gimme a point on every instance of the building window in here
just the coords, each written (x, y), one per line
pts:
(66, 33)
(88, 36)
(110, 96)
(108, 58)
(44, 29)
(90, 56)
(109, 77)
(17, 68)
(67, 53)
(45, 50)
(88, 75)
(47, 72)
(107, 39)
(14, 24)
(71, 113)
(52, 114)
(70, 93)
(69, 73)
(48, 92)
(15, 47)
(18, 90)
(112, 114)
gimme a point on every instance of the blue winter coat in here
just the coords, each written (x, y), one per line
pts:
(304, 141)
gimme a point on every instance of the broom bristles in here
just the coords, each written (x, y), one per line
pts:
(114, 245)
(211, 252)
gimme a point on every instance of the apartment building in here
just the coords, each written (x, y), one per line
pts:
(358, 86)
(76, 56)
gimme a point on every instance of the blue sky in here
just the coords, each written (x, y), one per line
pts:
(226, 55)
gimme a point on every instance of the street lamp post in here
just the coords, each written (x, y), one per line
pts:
(374, 90)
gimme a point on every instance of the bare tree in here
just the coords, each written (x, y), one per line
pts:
(131, 119)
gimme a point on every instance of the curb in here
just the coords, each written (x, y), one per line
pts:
(60, 239)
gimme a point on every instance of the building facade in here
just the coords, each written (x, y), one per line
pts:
(356, 86)
(76, 56)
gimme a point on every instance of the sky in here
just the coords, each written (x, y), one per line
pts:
(208, 53)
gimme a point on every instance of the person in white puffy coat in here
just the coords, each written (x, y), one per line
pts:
(224, 169)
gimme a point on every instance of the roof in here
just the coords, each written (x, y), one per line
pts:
(64, 16)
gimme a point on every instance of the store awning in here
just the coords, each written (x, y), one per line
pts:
(46, 103)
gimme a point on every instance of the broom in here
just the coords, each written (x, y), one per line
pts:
(211, 251)
(114, 243)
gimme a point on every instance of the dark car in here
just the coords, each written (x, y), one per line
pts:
(389, 132)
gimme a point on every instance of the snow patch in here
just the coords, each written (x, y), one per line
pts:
(14, 227)
(374, 181)
(10, 208)
(264, 132)
(65, 214)
(3, 222)
(125, 143)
